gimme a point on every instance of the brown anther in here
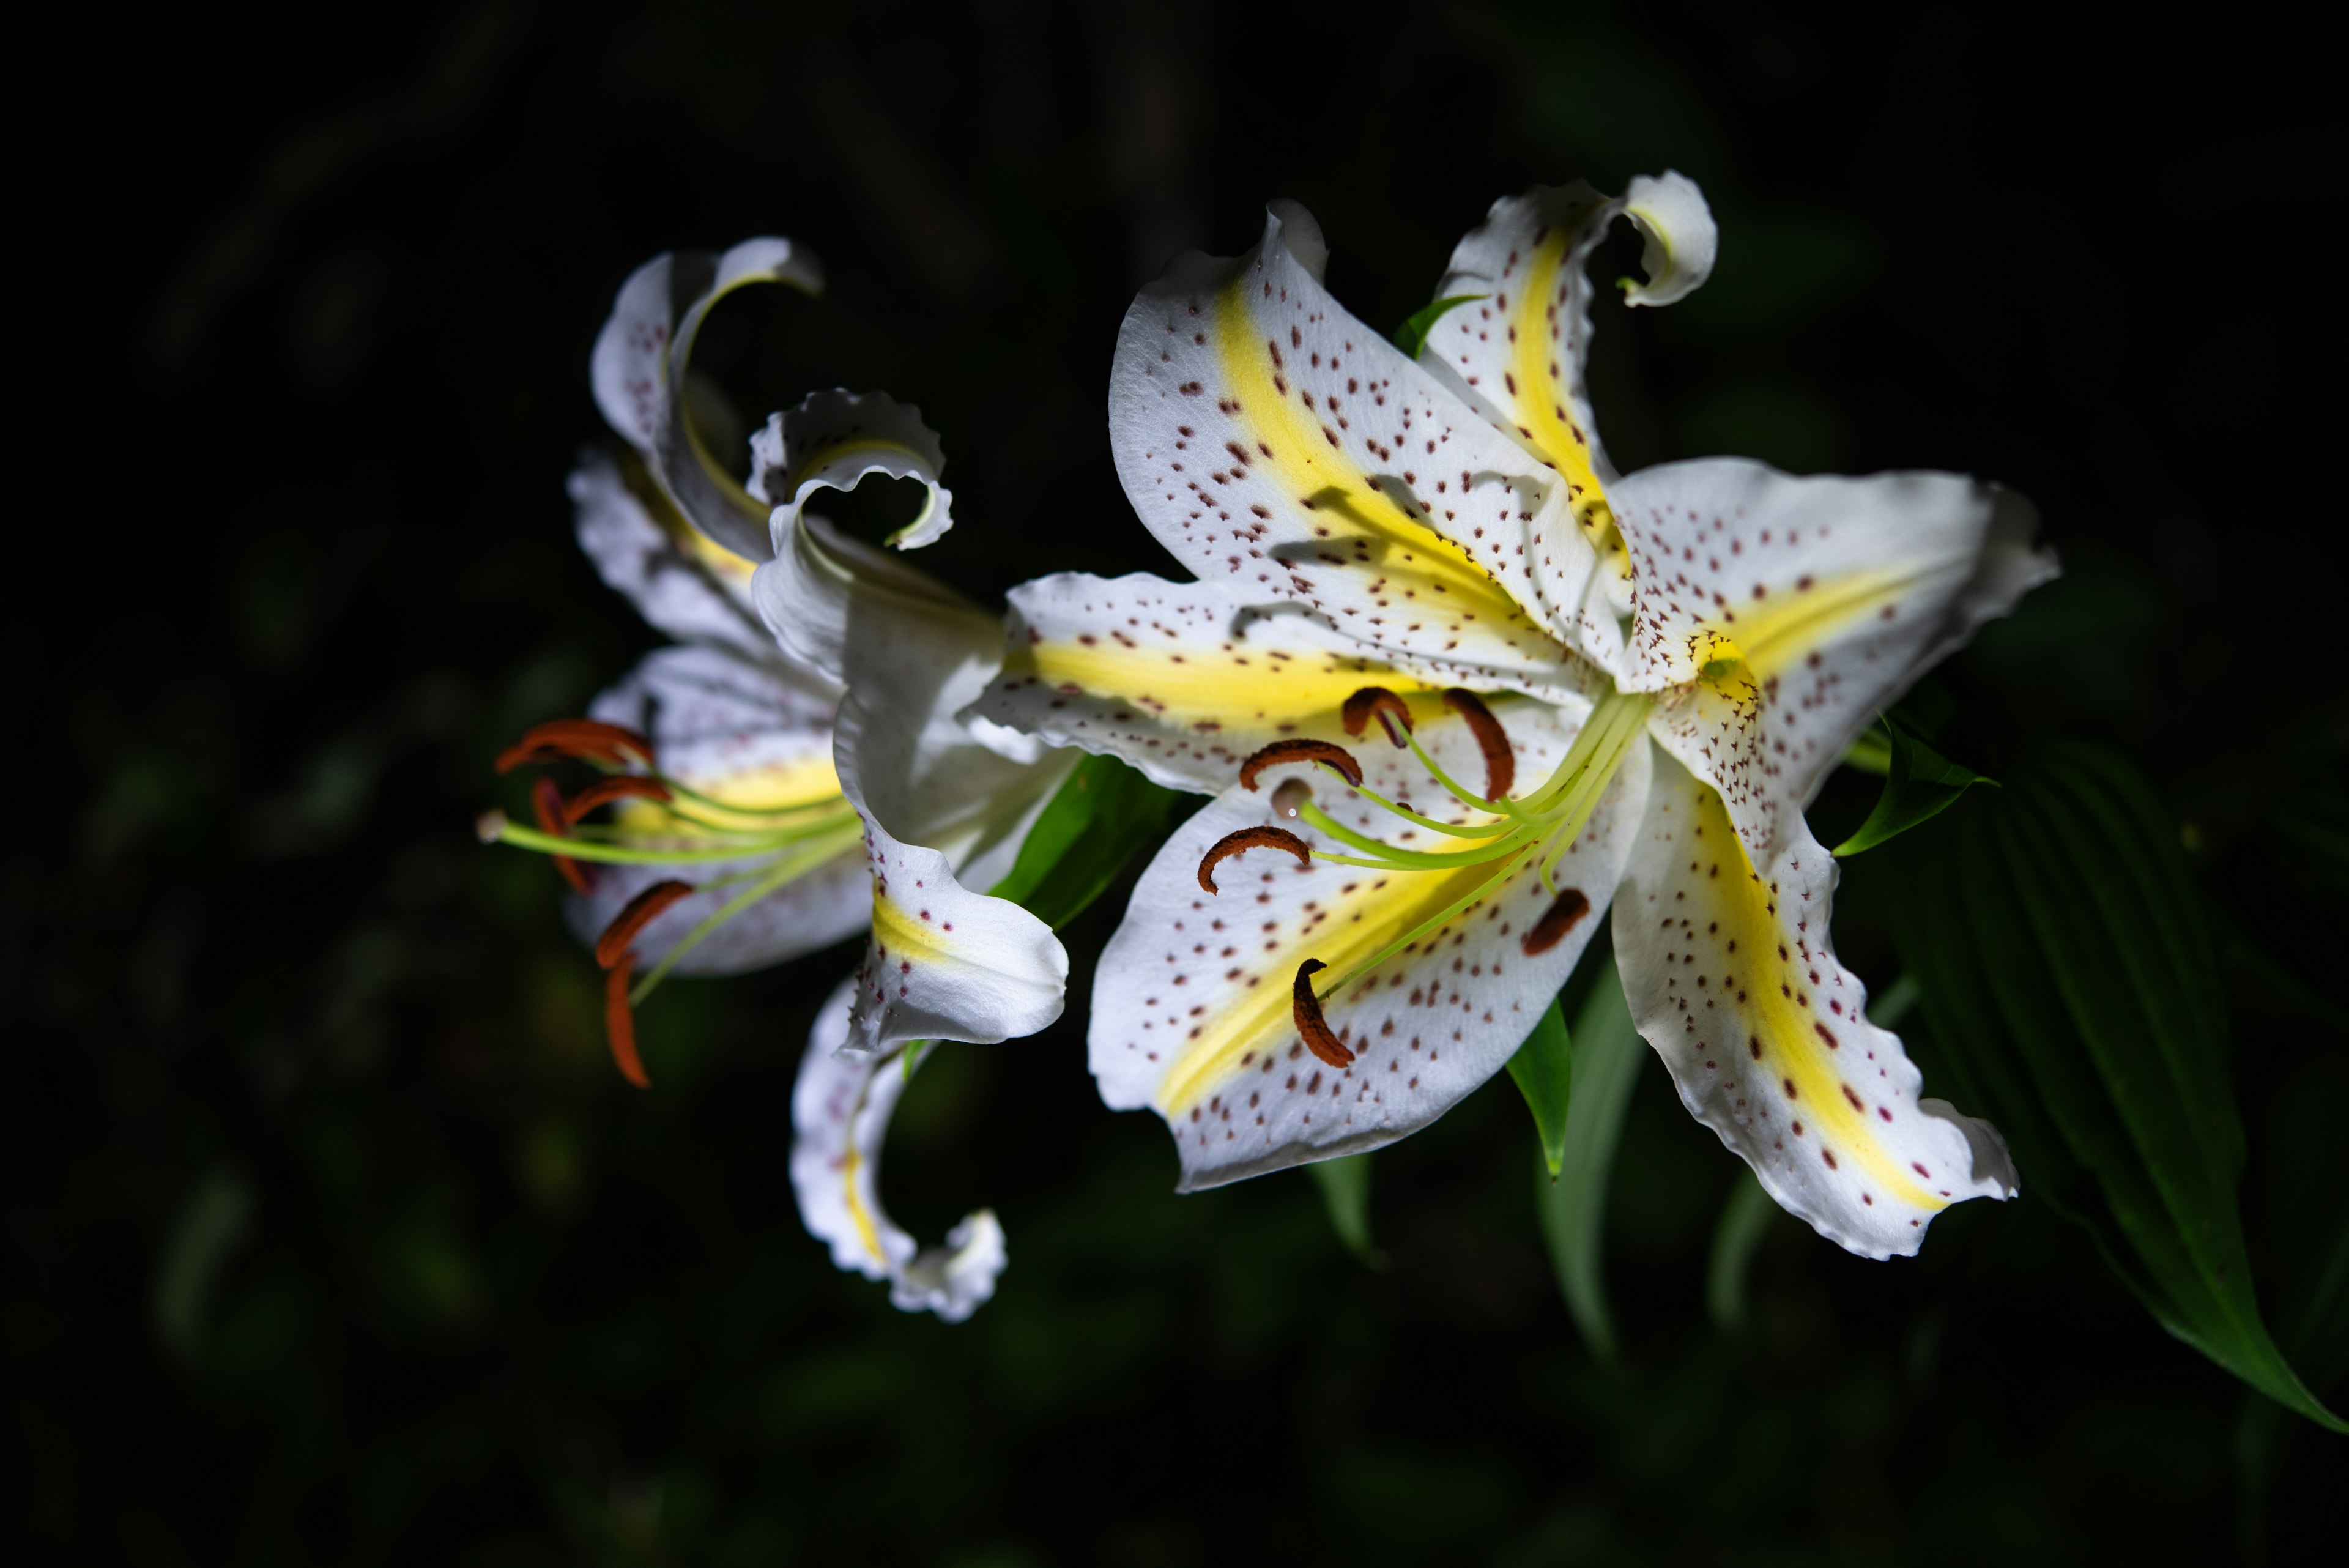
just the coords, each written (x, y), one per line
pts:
(1248, 838)
(1280, 752)
(1393, 712)
(1311, 1027)
(591, 739)
(546, 804)
(612, 947)
(1500, 758)
(1556, 920)
(604, 791)
(620, 1024)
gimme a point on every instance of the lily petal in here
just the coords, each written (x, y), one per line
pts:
(1731, 977)
(1279, 447)
(1787, 612)
(640, 372)
(747, 737)
(1193, 1011)
(938, 796)
(1681, 240)
(1517, 348)
(945, 963)
(680, 581)
(1178, 678)
(833, 441)
(840, 1116)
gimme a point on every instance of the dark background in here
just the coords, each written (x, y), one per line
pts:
(331, 1234)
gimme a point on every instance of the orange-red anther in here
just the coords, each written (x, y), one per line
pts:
(1311, 1027)
(587, 738)
(604, 791)
(1500, 758)
(546, 802)
(612, 947)
(1556, 920)
(620, 1022)
(1393, 712)
(1280, 752)
(1248, 838)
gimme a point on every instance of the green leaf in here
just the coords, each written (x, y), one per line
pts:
(1411, 336)
(1744, 1220)
(1544, 1069)
(1919, 784)
(1092, 827)
(1345, 1184)
(2069, 976)
(1609, 1054)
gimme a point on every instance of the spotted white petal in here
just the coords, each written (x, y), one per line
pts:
(753, 740)
(1178, 678)
(640, 368)
(833, 441)
(938, 796)
(1516, 345)
(840, 1117)
(1777, 616)
(1193, 1011)
(680, 581)
(1731, 977)
(1284, 450)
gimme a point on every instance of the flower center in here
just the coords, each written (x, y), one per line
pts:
(658, 820)
(1534, 829)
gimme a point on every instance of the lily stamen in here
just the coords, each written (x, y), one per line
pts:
(1311, 1027)
(1335, 757)
(546, 804)
(586, 740)
(1390, 711)
(1500, 758)
(604, 791)
(620, 1024)
(1248, 838)
(634, 917)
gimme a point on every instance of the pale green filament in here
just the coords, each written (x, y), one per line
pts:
(789, 869)
(1538, 828)
(788, 843)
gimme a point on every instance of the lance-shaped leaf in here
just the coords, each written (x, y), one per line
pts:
(1345, 1184)
(2070, 979)
(1101, 815)
(1744, 1220)
(1573, 1205)
(1411, 336)
(1544, 1069)
(1919, 784)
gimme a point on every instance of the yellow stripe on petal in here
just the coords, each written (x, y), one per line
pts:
(1541, 395)
(1213, 690)
(1363, 525)
(741, 801)
(1363, 912)
(852, 1167)
(1786, 1015)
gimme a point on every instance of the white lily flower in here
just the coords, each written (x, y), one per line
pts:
(1600, 689)
(796, 771)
